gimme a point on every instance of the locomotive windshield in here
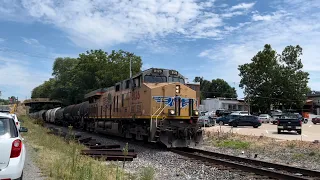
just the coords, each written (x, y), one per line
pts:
(176, 79)
(154, 79)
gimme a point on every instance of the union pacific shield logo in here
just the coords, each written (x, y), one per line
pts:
(166, 99)
(184, 102)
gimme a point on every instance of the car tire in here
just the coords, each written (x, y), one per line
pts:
(255, 126)
(279, 131)
(305, 121)
(234, 125)
(299, 132)
(314, 123)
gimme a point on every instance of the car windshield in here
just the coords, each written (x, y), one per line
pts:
(263, 115)
(7, 129)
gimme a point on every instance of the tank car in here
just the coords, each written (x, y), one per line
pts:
(154, 105)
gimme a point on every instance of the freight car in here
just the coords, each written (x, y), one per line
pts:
(154, 105)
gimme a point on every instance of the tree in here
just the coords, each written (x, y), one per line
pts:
(295, 88)
(273, 79)
(215, 88)
(258, 78)
(74, 77)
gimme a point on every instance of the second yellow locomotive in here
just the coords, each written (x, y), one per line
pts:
(154, 105)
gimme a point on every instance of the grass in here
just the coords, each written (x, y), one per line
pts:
(234, 144)
(61, 160)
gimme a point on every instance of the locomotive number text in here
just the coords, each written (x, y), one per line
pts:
(135, 95)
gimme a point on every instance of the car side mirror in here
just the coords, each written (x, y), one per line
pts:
(23, 129)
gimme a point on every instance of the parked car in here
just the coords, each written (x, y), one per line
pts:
(225, 119)
(316, 120)
(289, 122)
(265, 118)
(274, 119)
(206, 121)
(222, 112)
(12, 149)
(247, 120)
(303, 119)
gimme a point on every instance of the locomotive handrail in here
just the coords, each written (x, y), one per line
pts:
(162, 111)
(153, 115)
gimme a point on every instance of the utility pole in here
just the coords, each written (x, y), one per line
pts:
(130, 66)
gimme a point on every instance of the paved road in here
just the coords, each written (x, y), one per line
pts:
(31, 171)
(310, 132)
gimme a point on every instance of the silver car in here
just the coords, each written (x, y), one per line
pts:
(265, 118)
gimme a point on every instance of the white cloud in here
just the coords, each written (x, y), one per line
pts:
(286, 26)
(2, 40)
(97, 23)
(18, 78)
(231, 14)
(269, 17)
(244, 6)
(31, 41)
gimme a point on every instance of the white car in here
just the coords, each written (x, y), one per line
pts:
(265, 118)
(12, 148)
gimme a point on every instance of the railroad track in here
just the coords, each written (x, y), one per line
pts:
(261, 168)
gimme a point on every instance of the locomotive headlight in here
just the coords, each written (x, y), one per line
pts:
(171, 112)
(177, 88)
(196, 113)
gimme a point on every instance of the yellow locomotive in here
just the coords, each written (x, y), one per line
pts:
(154, 105)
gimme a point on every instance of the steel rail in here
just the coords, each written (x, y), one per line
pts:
(251, 165)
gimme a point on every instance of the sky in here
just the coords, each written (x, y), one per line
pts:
(195, 37)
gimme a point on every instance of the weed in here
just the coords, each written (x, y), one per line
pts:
(234, 144)
(291, 145)
(147, 173)
(312, 153)
(297, 156)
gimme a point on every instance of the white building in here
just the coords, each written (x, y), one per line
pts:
(213, 104)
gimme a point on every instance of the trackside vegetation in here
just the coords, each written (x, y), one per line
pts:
(284, 151)
(59, 159)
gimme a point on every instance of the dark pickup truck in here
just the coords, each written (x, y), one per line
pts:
(289, 123)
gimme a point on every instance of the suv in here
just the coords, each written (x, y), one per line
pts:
(247, 120)
(12, 150)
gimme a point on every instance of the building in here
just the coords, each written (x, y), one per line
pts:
(314, 101)
(195, 86)
(232, 104)
(315, 97)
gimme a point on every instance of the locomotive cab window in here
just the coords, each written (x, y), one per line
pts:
(127, 84)
(176, 79)
(117, 87)
(154, 79)
(136, 81)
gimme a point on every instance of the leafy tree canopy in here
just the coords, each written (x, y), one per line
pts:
(275, 79)
(215, 88)
(74, 77)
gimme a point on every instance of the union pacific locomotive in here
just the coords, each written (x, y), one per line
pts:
(154, 105)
